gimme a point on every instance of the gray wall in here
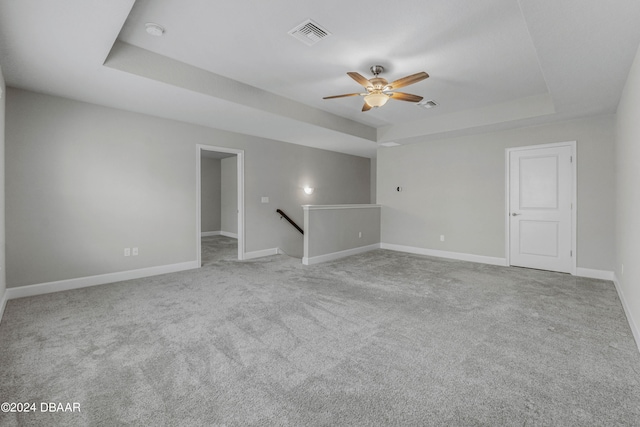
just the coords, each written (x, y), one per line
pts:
(210, 197)
(628, 196)
(335, 229)
(3, 281)
(456, 187)
(373, 178)
(84, 182)
(229, 183)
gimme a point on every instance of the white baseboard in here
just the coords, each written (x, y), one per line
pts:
(635, 330)
(262, 253)
(445, 254)
(595, 274)
(3, 304)
(83, 282)
(337, 255)
(218, 233)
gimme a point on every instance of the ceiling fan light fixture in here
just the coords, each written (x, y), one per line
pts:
(376, 99)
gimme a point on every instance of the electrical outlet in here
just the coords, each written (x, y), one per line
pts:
(359, 234)
(127, 251)
(442, 237)
(134, 251)
(264, 200)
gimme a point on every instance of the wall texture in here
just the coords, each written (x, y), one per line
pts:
(210, 198)
(84, 182)
(3, 282)
(374, 179)
(456, 187)
(628, 197)
(330, 230)
(229, 195)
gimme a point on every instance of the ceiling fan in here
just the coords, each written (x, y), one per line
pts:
(379, 91)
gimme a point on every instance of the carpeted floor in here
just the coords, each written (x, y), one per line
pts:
(218, 248)
(382, 338)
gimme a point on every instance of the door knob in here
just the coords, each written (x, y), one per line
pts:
(515, 214)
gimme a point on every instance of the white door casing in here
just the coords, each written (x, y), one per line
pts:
(240, 174)
(541, 207)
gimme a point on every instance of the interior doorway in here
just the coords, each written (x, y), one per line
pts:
(222, 153)
(541, 207)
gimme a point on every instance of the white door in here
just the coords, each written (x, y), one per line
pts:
(540, 208)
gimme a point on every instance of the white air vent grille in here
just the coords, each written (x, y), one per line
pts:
(427, 104)
(309, 32)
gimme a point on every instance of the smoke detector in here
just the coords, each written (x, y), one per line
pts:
(309, 32)
(154, 29)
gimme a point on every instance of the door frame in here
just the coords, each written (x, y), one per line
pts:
(240, 159)
(574, 197)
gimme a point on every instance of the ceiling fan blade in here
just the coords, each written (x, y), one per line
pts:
(406, 81)
(342, 96)
(401, 96)
(366, 107)
(359, 78)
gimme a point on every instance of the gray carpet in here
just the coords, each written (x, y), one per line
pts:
(382, 338)
(218, 248)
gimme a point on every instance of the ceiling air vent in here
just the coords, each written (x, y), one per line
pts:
(427, 104)
(309, 32)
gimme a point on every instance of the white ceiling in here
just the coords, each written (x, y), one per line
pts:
(231, 65)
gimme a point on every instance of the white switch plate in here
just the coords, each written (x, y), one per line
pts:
(359, 234)
(265, 200)
(127, 251)
(442, 237)
(134, 252)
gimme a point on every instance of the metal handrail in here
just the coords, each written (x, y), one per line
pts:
(285, 216)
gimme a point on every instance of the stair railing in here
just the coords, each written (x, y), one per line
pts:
(285, 216)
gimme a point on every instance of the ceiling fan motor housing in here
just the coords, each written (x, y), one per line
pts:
(378, 83)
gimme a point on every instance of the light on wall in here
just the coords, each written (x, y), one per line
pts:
(309, 190)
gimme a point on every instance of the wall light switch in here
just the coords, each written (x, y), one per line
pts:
(265, 200)
(442, 237)
(134, 251)
(127, 251)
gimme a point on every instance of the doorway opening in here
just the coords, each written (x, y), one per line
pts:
(229, 219)
(541, 208)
